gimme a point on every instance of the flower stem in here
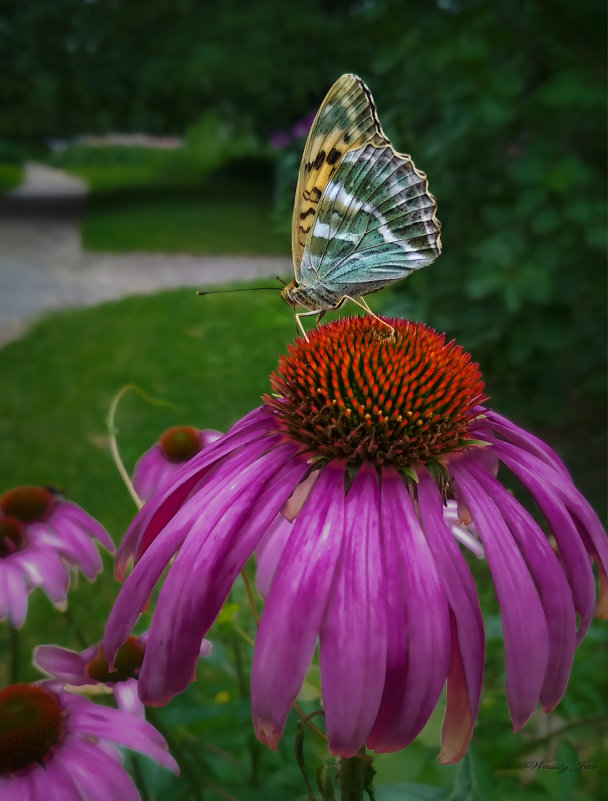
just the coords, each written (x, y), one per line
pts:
(356, 774)
(249, 591)
(112, 431)
(14, 635)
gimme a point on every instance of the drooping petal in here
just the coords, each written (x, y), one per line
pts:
(127, 698)
(17, 788)
(466, 625)
(551, 584)
(138, 586)
(353, 635)
(296, 604)
(148, 471)
(83, 521)
(165, 504)
(418, 623)
(211, 557)
(61, 663)
(73, 544)
(51, 783)
(118, 727)
(269, 552)
(13, 594)
(44, 568)
(84, 763)
(532, 473)
(523, 619)
(525, 440)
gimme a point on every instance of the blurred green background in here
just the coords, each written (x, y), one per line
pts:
(501, 103)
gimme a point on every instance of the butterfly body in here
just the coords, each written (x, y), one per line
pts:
(363, 215)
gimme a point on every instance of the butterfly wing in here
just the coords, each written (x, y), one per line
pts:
(375, 222)
(345, 121)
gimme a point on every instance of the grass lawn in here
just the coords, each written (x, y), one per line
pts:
(156, 202)
(210, 358)
(217, 217)
(11, 176)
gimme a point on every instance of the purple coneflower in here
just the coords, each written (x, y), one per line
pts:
(158, 465)
(40, 536)
(90, 668)
(61, 747)
(367, 434)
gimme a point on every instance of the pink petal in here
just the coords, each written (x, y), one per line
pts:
(147, 470)
(296, 604)
(13, 594)
(551, 585)
(466, 626)
(353, 635)
(82, 521)
(44, 568)
(19, 788)
(214, 552)
(269, 552)
(63, 664)
(525, 440)
(127, 699)
(135, 591)
(524, 625)
(117, 727)
(418, 654)
(53, 782)
(97, 776)
(162, 508)
(532, 473)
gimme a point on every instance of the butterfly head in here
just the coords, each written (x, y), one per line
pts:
(315, 297)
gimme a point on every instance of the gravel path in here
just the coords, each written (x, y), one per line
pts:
(43, 267)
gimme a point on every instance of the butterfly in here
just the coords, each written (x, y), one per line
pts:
(363, 215)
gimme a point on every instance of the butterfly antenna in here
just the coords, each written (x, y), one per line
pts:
(225, 291)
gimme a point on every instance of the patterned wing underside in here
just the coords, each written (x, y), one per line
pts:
(375, 223)
(346, 120)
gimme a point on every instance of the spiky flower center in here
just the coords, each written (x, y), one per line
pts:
(359, 391)
(179, 443)
(12, 536)
(28, 504)
(32, 724)
(127, 664)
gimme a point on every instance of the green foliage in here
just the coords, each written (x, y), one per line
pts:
(11, 175)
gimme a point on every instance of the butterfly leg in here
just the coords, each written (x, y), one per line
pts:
(299, 321)
(362, 303)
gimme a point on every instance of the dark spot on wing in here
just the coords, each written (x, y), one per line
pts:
(333, 155)
(305, 214)
(346, 137)
(318, 162)
(317, 192)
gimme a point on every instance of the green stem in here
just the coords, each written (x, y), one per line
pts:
(138, 777)
(177, 751)
(14, 638)
(356, 775)
(113, 430)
